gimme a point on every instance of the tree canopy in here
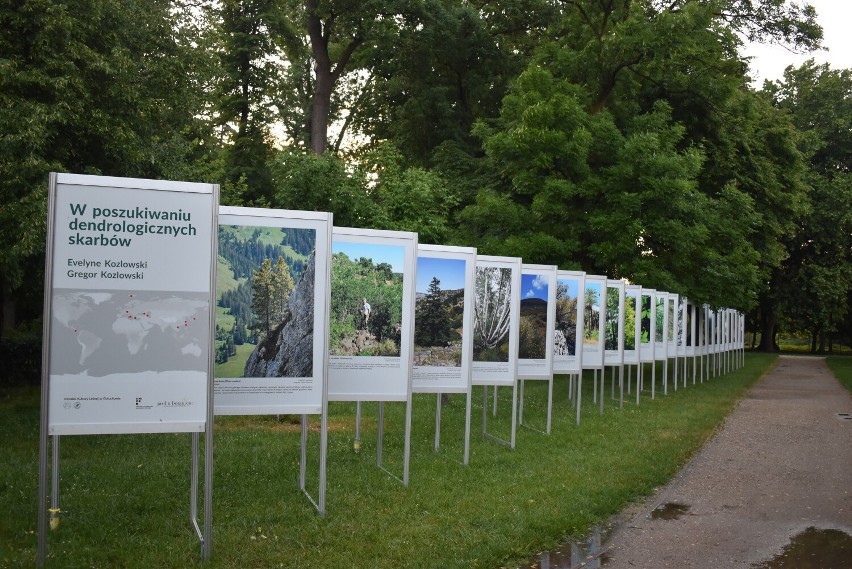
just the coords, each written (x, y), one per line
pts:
(620, 138)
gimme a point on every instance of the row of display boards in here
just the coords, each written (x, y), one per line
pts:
(163, 309)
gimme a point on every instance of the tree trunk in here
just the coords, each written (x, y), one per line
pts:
(320, 32)
(7, 310)
(767, 335)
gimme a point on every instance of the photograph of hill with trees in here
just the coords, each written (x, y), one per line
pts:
(611, 321)
(532, 342)
(439, 312)
(264, 305)
(366, 299)
(492, 314)
(592, 316)
(630, 301)
(565, 337)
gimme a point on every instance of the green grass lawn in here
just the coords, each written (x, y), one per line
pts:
(125, 497)
(841, 366)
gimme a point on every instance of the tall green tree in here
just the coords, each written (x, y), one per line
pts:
(810, 290)
(91, 86)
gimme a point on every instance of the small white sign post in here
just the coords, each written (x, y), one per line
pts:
(632, 332)
(443, 328)
(371, 327)
(594, 305)
(568, 331)
(272, 340)
(614, 334)
(128, 320)
(496, 327)
(538, 315)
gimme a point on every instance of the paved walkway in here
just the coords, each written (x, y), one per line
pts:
(781, 464)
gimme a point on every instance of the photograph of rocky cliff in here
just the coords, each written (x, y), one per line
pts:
(565, 335)
(439, 312)
(265, 302)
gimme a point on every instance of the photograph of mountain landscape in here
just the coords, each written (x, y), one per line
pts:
(492, 314)
(439, 312)
(532, 343)
(366, 299)
(565, 336)
(265, 302)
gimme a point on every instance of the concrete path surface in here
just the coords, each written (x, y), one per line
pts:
(782, 463)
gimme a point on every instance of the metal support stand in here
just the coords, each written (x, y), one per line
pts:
(319, 504)
(579, 394)
(466, 457)
(357, 445)
(406, 455)
(511, 442)
(546, 430)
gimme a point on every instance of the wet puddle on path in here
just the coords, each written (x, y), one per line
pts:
(587, 554)
(814, 549)
(669, 511)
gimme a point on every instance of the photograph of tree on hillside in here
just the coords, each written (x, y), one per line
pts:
(592, 315)
(366, 299)
(630, 321)
(439, 312)
(532, 342)
(645, 325)
(613, 311)
(565, 336)
(265, 308)
(660, 329)
(492, 314)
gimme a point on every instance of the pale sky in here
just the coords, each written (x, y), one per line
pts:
(835, 17)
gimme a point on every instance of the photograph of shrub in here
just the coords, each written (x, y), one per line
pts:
(492, 314)
(264, 302)
(659, 330)
(630, 321)
(366, 299)
(565, 336)
(681, 311)
(611, 320)
(645, 325)
(532, 343)
(592, 315)
(672, 321)
(439, 312)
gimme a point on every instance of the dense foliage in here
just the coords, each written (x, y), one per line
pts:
(619, 138)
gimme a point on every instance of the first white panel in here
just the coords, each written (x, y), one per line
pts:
(130, 305)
